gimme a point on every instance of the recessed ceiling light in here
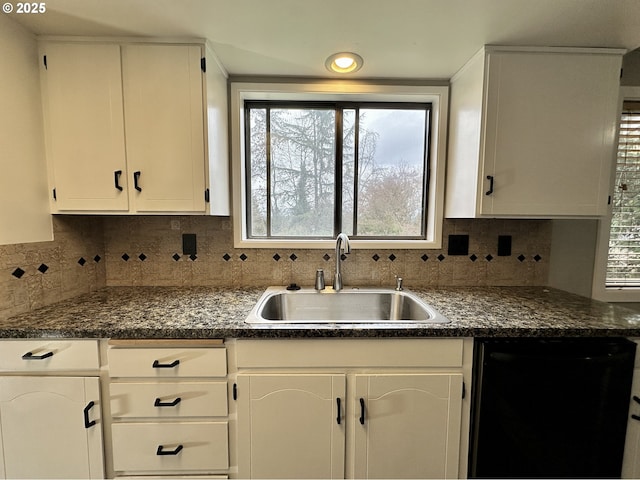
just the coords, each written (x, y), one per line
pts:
(344, 62)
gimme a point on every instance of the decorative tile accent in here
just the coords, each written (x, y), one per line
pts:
(82, 261)
(537, 258)
(343, 257)
(176, 257)
(193, 257)
(57, 262)
(18, 272)
(142, 257)
(367, 267)
(125, 257)
(521, 258)
(97, 258)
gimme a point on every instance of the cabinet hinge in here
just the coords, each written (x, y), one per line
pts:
(235, 391)
(207, 197)
(54, 195)
(609, 200)
(464, 390)
(621, 71)
(203, 64)
(44, 60)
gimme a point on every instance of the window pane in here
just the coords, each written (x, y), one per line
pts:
(302, 172)
(348, 168)
(258, 168)
(391, 169)
(623, 265)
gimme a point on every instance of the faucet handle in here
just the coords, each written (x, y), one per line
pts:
(399, 283)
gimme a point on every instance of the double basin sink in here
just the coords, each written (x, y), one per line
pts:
(350, 305)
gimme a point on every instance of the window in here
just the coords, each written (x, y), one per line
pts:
(623, 261)
(318, 169)
(616, 273)
(313, 159)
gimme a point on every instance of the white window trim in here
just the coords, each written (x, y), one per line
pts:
(438, 96)
(598, 289)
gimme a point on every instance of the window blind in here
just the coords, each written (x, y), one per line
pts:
(623, 263)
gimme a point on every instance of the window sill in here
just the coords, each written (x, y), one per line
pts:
(330, 244)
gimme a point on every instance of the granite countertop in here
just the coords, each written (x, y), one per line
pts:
(202, 312)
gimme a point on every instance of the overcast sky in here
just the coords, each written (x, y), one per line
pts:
(398, 140)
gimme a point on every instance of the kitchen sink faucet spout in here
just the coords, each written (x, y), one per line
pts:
(342, 243)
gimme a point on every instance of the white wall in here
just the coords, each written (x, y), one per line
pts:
(24, 202)
(573, 246)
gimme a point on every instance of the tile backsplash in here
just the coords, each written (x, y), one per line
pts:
(91, 252)
(33, 275)
(148, 251)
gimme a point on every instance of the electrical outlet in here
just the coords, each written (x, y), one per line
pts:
(175, 224)
(504, 245)
(189, 244)
(458, 245)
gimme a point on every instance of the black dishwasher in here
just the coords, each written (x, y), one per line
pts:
(550, 408)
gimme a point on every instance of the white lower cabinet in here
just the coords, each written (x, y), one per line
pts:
(292, 426)
(50, 427)
(175, 446)
(169, 409)
(407, 426)
(329, 415)
(631, 459)
(50, 410)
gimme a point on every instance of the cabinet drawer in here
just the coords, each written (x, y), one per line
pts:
(138, 447)
(167, 362)
(48, 355)
(164, 400)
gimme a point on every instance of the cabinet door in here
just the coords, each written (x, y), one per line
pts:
(550, 132)
(289, 426)
(43, 429)
(163, 100)
(407, 426)
(84, 127)
(631, 459)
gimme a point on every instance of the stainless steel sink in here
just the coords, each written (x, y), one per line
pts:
(359, 305)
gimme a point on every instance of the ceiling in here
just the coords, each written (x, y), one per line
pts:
(410, 39)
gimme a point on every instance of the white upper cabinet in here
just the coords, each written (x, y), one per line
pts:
(84, 126)
(164, 126)
(126, 128)
(532, 133)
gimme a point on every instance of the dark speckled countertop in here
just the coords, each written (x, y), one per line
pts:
(201, 312)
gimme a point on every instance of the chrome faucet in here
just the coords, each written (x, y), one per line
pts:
(342, 243)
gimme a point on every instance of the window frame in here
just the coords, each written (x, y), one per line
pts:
(599, 290)
(341, 92)
(339, 183)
